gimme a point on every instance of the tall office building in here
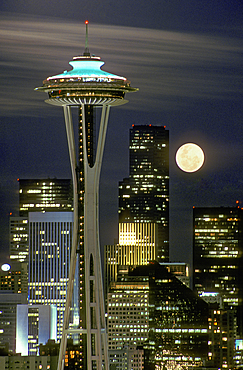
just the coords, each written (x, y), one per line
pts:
(137, 246)
(19, 238)
(218, 255)
(50, 238)
(36, 195)
(149, 307)
(144, 196)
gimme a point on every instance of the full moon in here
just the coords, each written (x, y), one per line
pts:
(189, 157)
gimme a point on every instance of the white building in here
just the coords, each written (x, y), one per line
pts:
(35, 324)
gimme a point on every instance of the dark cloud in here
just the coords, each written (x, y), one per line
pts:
(189, 81)
(167, 66)
(172, 15)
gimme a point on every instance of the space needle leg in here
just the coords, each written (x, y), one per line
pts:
(95, 313)
(69, 293)
(99, 284)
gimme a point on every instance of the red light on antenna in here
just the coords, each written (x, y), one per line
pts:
(86, 22)
(10, 213)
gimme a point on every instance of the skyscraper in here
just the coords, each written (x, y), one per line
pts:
(19, 238)
(148, 306)
(87, 87)
(37, 195)
(50, 240)
(144, 196)
(218, 255)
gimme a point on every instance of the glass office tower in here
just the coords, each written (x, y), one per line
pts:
(218, 255)
(49, 195)
(144, 196)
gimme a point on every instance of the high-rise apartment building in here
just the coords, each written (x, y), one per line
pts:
(218, 255)
(144, 195)
(50, 238)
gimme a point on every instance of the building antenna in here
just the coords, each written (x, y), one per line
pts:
(86, 50)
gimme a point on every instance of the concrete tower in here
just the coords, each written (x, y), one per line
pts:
(87, 87)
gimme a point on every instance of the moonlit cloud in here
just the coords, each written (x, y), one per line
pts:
(166, 66)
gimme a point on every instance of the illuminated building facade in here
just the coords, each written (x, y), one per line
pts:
(218, 255)
(50, 239)
(35, 324)
(19, 238)
(128, 314)
(137, 246)
(14, 277)
(13, 291)
(180, 270)
(130, 358)
(87, 87)
(72, 355)
(144, 196)
(150, 307)
(18, 362)
(221, 340)
(36, 195)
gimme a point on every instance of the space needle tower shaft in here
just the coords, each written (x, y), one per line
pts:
(86, 87)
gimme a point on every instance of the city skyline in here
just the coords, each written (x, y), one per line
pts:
(189, 80)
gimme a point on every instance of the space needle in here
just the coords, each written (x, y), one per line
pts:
(87, 87)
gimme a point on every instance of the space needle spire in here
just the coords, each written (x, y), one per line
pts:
(86, 50)
(87, 87)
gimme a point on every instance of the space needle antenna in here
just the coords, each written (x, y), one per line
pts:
(86, 50)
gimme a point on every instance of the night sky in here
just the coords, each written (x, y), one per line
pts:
(186, 58)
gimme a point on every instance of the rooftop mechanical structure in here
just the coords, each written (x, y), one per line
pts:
(86, 87)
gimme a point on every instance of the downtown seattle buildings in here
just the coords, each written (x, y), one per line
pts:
(218, 256)
(40, 248)
(149, 308)
(153, 318)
